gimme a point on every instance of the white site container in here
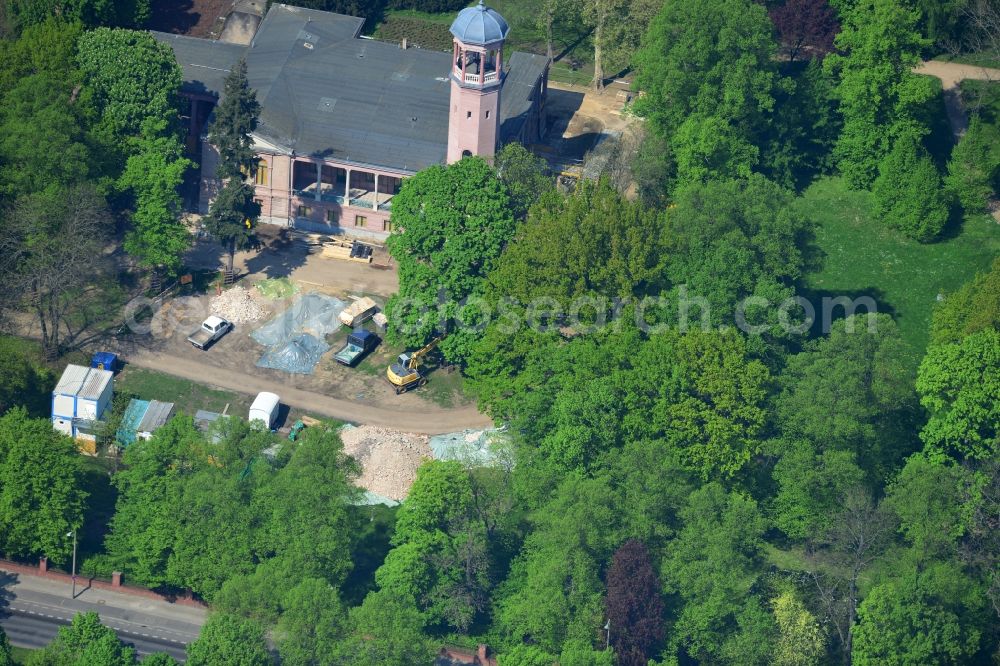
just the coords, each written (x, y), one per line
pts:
(264, 409)
(81, 398)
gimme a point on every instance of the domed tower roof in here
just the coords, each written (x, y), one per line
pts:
(479, 25)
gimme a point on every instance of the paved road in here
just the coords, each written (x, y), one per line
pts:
(32, 609)
(428, 419)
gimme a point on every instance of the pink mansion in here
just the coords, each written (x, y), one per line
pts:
(344, 119)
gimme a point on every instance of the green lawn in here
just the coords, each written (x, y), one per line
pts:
(188, 396)
(861, 257)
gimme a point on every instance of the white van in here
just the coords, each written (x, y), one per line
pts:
(264, 409)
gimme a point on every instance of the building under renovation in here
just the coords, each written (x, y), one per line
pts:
(345, 118)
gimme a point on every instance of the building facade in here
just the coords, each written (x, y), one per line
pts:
(345, 119)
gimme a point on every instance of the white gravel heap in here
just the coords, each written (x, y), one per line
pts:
(237, 305)
(389, 459)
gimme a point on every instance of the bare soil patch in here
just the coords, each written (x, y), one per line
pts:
(195, 18)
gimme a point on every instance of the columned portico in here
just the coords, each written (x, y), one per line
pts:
(327, 196)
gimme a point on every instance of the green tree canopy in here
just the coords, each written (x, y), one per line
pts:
(707, 58)
(307, 519)
(811, 486)
(710, 148)
(24, 378)
(43, 139)
(440, 555)
(312, 621)
(959, 385)
(228, 640)
(134, 78)
(85, 642)
(41, 487)
(593, 243)
(850, 391)
(713, 567)
(918, 619)
(733, 239)
(525, 175)
(386, 630)
(553, 593)
(973, 308)
(927, 497)
(801, 641)
(5, 652)
(452, 224)
(879, 96)
(233, 213)
(153, 173)
(236, 118)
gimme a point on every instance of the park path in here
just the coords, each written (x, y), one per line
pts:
(429, 419)
(951, 75)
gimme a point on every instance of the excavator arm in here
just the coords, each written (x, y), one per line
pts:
(415, 357)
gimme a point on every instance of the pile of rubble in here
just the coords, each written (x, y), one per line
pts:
(237, 305)
(389, 459)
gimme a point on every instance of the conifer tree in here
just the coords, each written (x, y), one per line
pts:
(233, 215)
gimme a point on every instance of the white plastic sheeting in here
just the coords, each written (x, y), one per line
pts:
(296, 338)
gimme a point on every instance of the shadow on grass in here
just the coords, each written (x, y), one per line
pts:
(829, 310)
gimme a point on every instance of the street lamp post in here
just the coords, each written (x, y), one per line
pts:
(74, 562)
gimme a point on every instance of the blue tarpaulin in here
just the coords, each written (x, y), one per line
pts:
(298, 356)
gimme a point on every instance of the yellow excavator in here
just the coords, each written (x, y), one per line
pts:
(404, 374)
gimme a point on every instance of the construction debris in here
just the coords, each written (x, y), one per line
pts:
(389, 459)
(237, 305)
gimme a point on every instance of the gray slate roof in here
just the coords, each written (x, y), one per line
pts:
(521, 77)
(205, 62)
(327, 93)
(479, 25)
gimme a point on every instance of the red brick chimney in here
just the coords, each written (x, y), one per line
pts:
(481, 656)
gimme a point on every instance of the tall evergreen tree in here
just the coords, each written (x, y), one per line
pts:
(233, 214)
(236, 118)
(880, 97)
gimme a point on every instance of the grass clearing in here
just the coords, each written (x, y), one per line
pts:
(864, 258)
(188, 396)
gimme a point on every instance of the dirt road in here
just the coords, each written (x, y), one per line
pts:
(428, 419)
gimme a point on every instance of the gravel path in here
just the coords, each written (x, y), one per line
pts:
(429, 419)
(951, 75)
